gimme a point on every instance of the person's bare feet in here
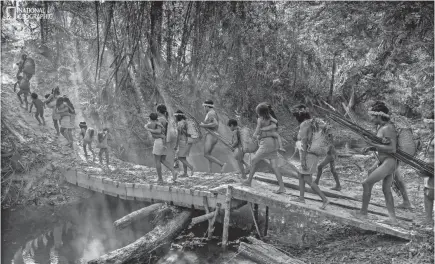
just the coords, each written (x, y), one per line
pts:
(174, 176)
(405, 206)
(359, 215)
(390, 221)
(336, 188)
(279, 191)
(299, 200)
(246, 183)
(325, 203)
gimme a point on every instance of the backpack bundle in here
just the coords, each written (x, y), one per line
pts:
(405, 136)
(193, 132)
(248, 142)
(321, 138)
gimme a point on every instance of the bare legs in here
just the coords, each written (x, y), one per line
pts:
(56, 125)
(402, 188)
(274, 165)
(210, 143)
(428, 204)
(307, 178)
(159, 160)
(186, 165)
(328, 160)
(238, 155)
(385, 173)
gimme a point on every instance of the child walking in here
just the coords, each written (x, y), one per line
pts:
(39, 105)
(103, 146)
(237, 146)
(87, 136)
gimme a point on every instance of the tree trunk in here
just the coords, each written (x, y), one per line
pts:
(263, 253)
(331, 85)
(149, 211)
(184, 38)
(169, 36)
(140, 250)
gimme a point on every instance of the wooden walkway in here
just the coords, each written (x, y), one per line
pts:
(259, 193)
(135, 182)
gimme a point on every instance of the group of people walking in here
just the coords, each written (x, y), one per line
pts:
(385, 169)
(63, 111)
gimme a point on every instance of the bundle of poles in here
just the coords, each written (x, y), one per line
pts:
(399, 155)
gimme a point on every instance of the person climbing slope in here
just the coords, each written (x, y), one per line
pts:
(51, 103)
(24, 86)
(39, 105)
(102, 144)
(211, 122)
(87, 134)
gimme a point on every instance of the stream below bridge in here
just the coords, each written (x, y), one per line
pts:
(87, 232)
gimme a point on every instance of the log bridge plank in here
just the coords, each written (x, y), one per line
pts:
(189, 198)
(261, 195)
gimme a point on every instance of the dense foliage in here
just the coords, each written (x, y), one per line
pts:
(240, 53)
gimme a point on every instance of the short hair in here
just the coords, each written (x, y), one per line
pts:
(19, 77)
(153, 116)
(380, 106)
(300, 106)
(209, 102)
(34, 96)
(232, 122)
(106, 129)
(47, 95)
(179, 115)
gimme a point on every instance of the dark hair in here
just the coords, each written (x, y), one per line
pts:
(106, 129)
(380, 106)
(153, 116)
(55, 91)
(66, 100)
(83, 124)
(161, 108)
(47, 95)
(34, 96)
(210, 102)
(24, 56)
(272, 114)
(19, 77)
(59, 101)
(180, 116)
(263, 110)
(232, 122)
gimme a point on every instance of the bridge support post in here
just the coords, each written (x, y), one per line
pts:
(266, 223)
(227, 216)
(211, 223)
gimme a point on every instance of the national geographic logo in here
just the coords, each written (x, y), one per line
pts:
(10, 13)
(24, 12)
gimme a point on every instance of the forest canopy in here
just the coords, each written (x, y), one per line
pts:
(241, 53)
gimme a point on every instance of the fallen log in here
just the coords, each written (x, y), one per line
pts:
(140, 250)
(149, 211)
(202, 218)
(263, 253)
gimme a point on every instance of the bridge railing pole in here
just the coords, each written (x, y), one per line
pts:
(227, 216)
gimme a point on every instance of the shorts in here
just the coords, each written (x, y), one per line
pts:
(159, 147)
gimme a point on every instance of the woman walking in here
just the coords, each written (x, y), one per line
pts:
(64, 110)
(158, 129)
(182, 145)
(51, 103)
(268, 147)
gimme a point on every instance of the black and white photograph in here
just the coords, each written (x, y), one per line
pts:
(217, 132)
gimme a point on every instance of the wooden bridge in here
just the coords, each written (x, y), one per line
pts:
(209, 191)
